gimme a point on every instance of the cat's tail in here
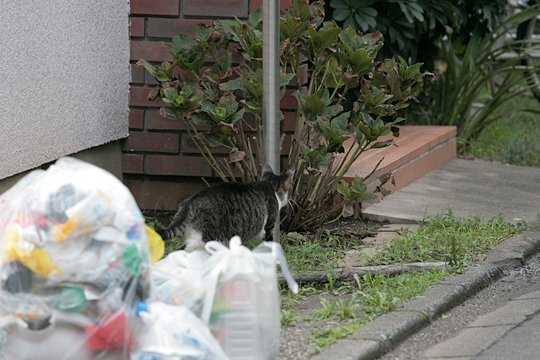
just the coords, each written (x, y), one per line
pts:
(176, 226)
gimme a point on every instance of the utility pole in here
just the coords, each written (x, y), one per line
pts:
(271, 112)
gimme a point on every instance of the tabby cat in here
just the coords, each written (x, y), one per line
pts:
(225, 210)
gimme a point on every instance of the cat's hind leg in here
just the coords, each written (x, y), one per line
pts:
(193, 239)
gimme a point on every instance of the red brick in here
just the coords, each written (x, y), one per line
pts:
(288, 102)
(135, 186)
(285, 145)
(136, 119)
(137, 74)
(166, 195)
(166, 27)
(155, 7)
(157, 142)
(283, 4)
(149, 51)
(189, 146)
(176, 165)
(289, 121)
(217, 8)
(136, 26)
(132, 163)
(149, 79)
(138, 96)
(154, 121)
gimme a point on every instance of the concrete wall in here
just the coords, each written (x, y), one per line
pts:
(64, 67)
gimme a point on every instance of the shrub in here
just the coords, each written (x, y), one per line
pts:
(349, 100)
(478, 81)
(413, 28)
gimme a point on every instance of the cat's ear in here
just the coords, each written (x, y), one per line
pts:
(289, 179)
(267, 172)
(291, 171)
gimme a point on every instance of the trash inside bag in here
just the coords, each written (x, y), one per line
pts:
(234, 291)
(242, 303)
(74, 261)
(179, 279)
(174, 332)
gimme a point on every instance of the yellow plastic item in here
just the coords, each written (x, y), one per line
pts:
(36, 259)
(63, 231)
(156, 244)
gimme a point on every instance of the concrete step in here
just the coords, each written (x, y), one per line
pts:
(419, 150)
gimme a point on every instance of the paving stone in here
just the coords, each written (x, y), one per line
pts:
(531, 295)
(520, 343)
(468, 342)
(351, 259)
(400, 228)
(513, 312)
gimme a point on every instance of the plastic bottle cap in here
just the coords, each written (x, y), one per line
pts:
(141, 307)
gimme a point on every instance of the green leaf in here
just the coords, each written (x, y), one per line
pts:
(344, 189)
(238, 116)
(338, 4)
(358, 185)
(369, 11)
(339, 123)
(382, 144)
(323, 38)
(222, 66)
(235, 84)
(332, 110)
(201, 119)
(285, 79)
(341, 14)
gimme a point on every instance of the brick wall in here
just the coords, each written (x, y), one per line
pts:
(161, 166)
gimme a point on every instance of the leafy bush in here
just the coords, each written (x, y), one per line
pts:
(478, 82)
(349, 100)
(413, 28)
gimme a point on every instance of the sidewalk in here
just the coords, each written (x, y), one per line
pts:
(468, 188)
(509, 332)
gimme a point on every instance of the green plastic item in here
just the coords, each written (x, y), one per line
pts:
(71, 299)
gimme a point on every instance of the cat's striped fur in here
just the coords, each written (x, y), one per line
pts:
(225, 210)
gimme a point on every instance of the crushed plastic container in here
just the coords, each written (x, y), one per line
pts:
(74, 261)
(173, 332)
(242, 302)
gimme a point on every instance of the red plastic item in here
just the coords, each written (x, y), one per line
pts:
(112, 333)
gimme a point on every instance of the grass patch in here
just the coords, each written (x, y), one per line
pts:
(368, 298)
(514, 138)
(458, 241)
(324, 250)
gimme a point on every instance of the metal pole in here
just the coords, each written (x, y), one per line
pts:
(271, 113)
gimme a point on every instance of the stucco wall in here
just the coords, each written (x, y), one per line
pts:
(64, 70)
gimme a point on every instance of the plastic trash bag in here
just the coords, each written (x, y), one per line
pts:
(178, 279)
(174, 332)
(74, 261)
(242, 302)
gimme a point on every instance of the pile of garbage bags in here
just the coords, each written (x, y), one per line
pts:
(79, 279)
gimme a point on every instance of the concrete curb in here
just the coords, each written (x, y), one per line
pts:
(389, 330)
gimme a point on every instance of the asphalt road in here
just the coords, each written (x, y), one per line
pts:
(514, 342)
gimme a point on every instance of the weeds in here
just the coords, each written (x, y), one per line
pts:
(513, 139)
(327, 337)
(319, 253)
(447, 238)
(370, 297)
